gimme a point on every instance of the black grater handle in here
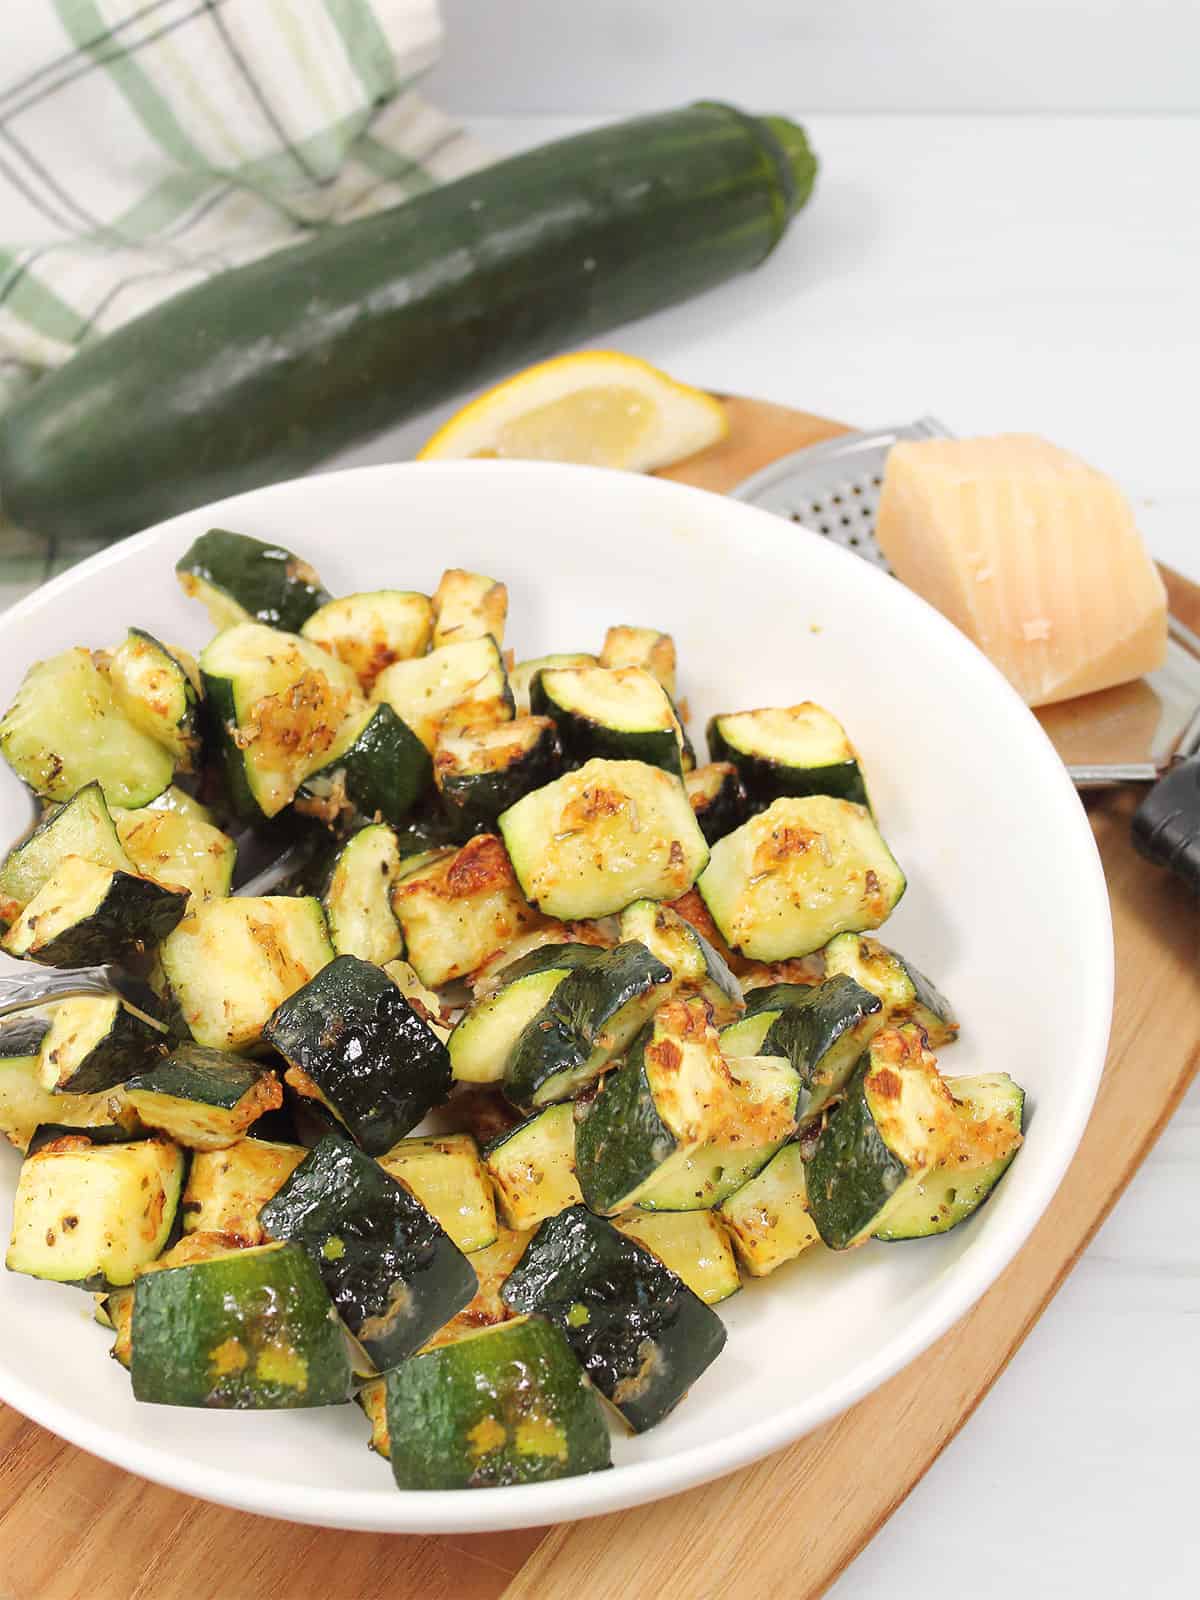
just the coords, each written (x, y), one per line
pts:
(1166, 826)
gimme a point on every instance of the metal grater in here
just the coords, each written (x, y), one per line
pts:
(1138, 732)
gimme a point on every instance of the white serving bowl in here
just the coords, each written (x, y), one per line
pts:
(1006, 909)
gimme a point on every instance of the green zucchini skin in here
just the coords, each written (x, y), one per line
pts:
(851, 1173)
(265, 581)
(484, 1038)
(262, 371)
(585, 737)
(377, 1064)
(718, 798)
(472, 1414)
(621, 1141)
(203, 1099)
(249, 1331)
(393, 1273)
(82, 826)
(383, 773)
(96, 1043)
(776, 997)
(476, 790)
(766, 780)
(823, 1035)
(134, 915)
(639, 1332)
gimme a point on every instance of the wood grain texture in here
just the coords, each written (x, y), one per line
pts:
(782, 1528)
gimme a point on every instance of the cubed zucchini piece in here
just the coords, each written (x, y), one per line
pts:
(94, 1213)
(598, 839)
(785, 882)
(823, 1034)
(249, 1330)
(641, 647)
(203, 1099)
(85, 914)
(65, 730)
(354, 1043)
(486, 1035)
(718, 799)
(590, 1018)
(481, 772)
(693, 1244)
(468, 605)
(639, 1332)
(231, 963)
(788, 750)
(115, 1307)
(375, 768)
(492, 1266)
(358, 897)
(390, 1268)
(25, 1105)
(226, 1189)
(696, 968)
(454, 687)
(96, 1042)
(82, 827)
(277, 704)
(763, 1005)
(896, 1123)
(460, 908)
(371, 630)
(510, 1405)
(521, 677)
(239, 579)
(768, 1218)
(154, 688)
(533, 1167)
(991, 1110)
(447, 1176)
(179, 850)
(907, 995)
(614, 714)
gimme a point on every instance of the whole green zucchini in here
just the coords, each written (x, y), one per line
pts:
(265, 370)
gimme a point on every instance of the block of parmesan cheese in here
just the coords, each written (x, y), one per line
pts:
(1032, 553)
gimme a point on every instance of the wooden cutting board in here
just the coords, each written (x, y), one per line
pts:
(74, 1528)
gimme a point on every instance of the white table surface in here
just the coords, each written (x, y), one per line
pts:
(1037, 274)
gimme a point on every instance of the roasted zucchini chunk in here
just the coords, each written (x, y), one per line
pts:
(423, 1001)
(115, 1306)
(377, 767)
(788, 750)
(239, 579)
(459, 908)
(25, 1105)
(768, 1218)
(203, 1099)
(231, 963)
(693, 1244)
(508, 1406)
(672, 1127)
(391, 1270)
(82, 827)
(823, 1035)
(482, 772)
(696, 968)
(907, 995)
(453, 688)
(467, 605)
(86, 914)
(358, 897)
(533, 1167)
(154, 688)
(639, 1332)
(247, 1330)
(353, 1042)
(893, 1128)
(486, 1035)
(494, 974)
(654, 652)
(491, 1266)
(95, 1042)
(65, 730)
(446, 1174)
(589, 1019)
(785, 882)
(718, 799)
(521, 677)
(277, 705)
(991, 1111)
(179, 850)
(595, 840)
(745, 1036)
(614, 714)
(226, 1189)
(368, 632)
(94, 1213)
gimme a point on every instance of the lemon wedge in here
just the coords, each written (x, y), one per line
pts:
(598, 407)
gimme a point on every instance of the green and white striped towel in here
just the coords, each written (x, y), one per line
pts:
(147, 144)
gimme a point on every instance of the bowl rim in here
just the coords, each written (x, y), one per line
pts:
(462, 1511)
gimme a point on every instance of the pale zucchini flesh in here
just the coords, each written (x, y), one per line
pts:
(455, 686)
(447, 1176)
(533, 1167)
(768, 1218)
(83, 826)
(369, 632)
(694, 1244)
(358, 897)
